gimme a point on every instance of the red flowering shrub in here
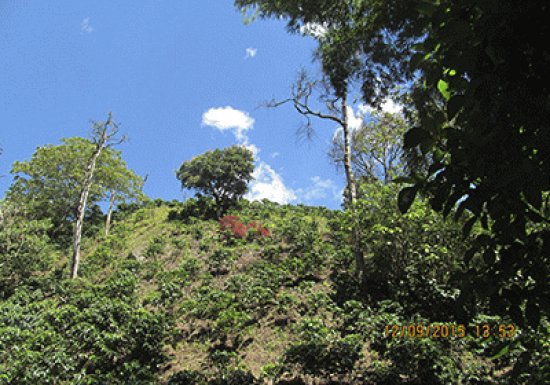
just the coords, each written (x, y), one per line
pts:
(259, 231)
(264, 232)
(233, 227)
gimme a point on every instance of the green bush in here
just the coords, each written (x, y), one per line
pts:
(235, 377)
(187, 377)
(250, 293)
(412, 259)
(101, 258)
(200, 207)
(155, 247)
(25, 248)
(322, 350)
(424, 360)
(97, 332)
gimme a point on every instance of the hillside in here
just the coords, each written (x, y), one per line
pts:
(172, 298)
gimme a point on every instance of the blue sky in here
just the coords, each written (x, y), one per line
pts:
(181, 77)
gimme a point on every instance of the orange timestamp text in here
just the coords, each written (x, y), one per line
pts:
(450, 330)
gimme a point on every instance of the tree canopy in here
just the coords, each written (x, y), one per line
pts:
(222, 174)
(49, 184)
(475, 74)
(376, 147)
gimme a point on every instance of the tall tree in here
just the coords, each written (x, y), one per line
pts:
(104, 135)
(333, 107)
(52, 184)
(339, 58)
(376, 147)
(48, 183)
(476, 71)
(222, 174)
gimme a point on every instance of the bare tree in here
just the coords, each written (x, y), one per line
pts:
(333, 106)
(104, 135)
(112, 197)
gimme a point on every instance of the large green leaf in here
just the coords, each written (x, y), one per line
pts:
(443, 88)
(415, 136)
(406, 198)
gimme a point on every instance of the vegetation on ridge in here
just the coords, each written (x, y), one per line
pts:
(173, 298)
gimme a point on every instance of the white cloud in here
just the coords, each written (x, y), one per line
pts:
(85, 26)
(228, 118)
(315, 30)
(319, 189)
(267, 184)
(354, 119)
(392, 107)
(251, 52)
(252, 147)
(275, 154)
(388, 106)
(363, 108)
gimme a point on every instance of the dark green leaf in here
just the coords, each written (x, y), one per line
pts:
(504, 350)
(426, 8)
(454, 105)
(415, 136)
(406, 198)
(532, 313)
(467, 228)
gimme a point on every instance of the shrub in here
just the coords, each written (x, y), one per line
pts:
(270, 371)
(220, 261)
(25, 248)
(322, 350)
(250, 293)
(235, 377)
(200, 207)
(100, 332)
(413, 259)
(156, 247)
(187, 377)
(232, 227)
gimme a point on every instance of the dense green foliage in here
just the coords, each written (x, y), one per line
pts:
(24, 246)
(166, 299)
(65, 332)
(474, 77)
(49, 184)
(488, 134)
(219, 291)
(220, 174)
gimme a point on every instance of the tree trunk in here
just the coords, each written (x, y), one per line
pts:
(352, 196)
(110, 212)
(351, 188)
(81, 210)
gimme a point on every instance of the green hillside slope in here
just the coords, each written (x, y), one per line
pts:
(172, 298)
